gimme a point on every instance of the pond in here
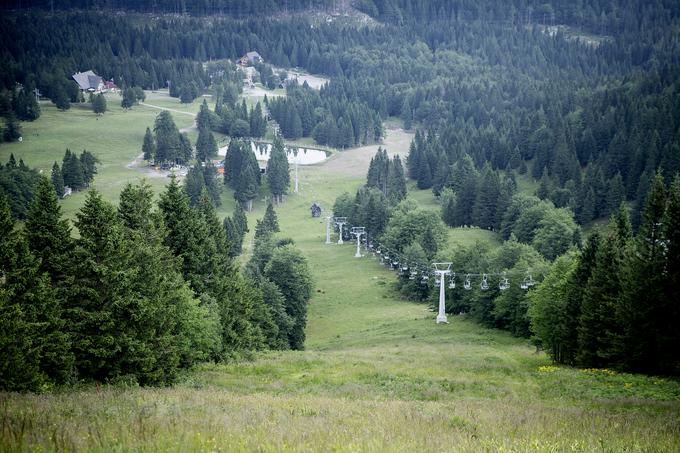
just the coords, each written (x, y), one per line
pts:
(305, 156)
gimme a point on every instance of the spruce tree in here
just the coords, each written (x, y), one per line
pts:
(99, 104)
(194, 184)
(289, 271)
(669, 336)
(149, 146)
(246, 188)
(270, 219)
(57, 179)
(206, 146)
(48, 235)
(12, 130)
(278, 171)
(643, 309)
(240, 219)
(72, 170)
(34, 350)
(167, 138)
(88, 164)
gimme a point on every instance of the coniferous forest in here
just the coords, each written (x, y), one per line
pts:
(533, 147)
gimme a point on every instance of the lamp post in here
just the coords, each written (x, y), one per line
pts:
(442, 270)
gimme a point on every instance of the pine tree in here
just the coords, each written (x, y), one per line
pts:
(194, 185)
(247, 187)
(206, 146)
(397, 181)
(270, 220)
(240, 220)
(213, 187)
(203, 117)
(72, 170)
(12, 130)
(289, 271)
(642, 311)
(57, 180)
(234, 237)
(278, 171)
(167, 138)
(669, 336)
(89, 165)
(186, 151)
(597, 327)
(99, 104)
(48, 235)
(149, 146)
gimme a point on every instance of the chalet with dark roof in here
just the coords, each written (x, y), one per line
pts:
(89, 81)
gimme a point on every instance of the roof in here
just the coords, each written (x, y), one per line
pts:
(252, 56)
(87, 80)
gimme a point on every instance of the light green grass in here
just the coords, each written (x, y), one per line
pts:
(378, 375)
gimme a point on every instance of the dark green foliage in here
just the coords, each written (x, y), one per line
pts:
(99, 104)
(167, 139)
(12, 130)
(194, 184)
(88, 164)
(289, 271)
(131, 96)
(18, 183)
(618, 305)
(72, 169)
(25, 105)
(34, 348)
(387, 175)
(278, 171)
(57, 179)
(149, 145)
(206, 146)
(270, 220)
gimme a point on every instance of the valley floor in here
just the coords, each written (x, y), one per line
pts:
(378, 375)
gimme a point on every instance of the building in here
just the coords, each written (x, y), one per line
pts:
(89, 81)
(250, 59)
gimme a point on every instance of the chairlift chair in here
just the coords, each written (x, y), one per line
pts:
(467, 284)
(452, 281)
(504, 284)
(485, 283)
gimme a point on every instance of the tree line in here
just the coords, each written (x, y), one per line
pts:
(144, 290)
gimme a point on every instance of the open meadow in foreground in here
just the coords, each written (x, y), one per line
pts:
(378, 374)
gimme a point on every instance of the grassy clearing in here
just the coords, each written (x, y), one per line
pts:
(378, 375)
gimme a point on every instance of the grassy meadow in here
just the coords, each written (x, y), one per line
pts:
(377, 374)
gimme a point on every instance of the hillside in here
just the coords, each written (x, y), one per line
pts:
(377, 375)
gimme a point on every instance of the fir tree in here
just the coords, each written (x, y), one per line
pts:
(643, 311)
(57, 179)
(270, 219)
(99, 104)
(72, 170)
(89, 165)
(278, 171)
(289, 271)
(149, 146)
(206, 146)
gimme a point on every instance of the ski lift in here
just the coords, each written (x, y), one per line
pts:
(413, 275)
(485, 282)
(452, 282)
(467, 284)
(504, 284)
(437, 280)
(425, 278)
(527, 283)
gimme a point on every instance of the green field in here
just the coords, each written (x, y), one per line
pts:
(378, 373)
